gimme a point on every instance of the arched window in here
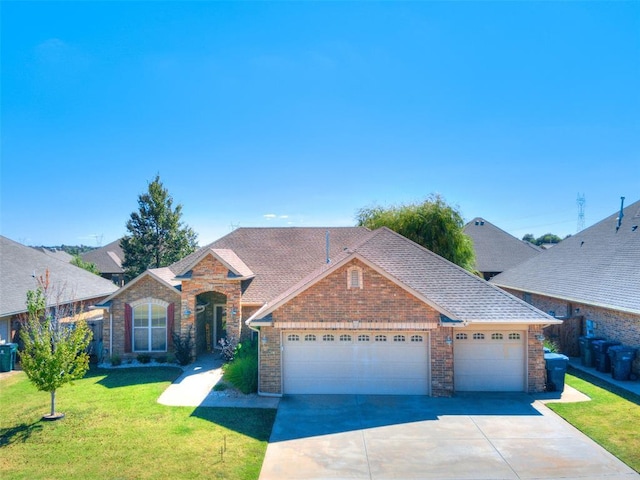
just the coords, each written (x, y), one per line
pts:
(150, 326)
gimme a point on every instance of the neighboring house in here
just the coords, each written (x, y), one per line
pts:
(337, 310)
(108, 260)
(21, 266)
(591, 280)
(495, 249)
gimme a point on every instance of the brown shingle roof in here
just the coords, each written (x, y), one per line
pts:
(450, 289)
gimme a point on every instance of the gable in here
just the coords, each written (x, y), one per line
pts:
(331, 302)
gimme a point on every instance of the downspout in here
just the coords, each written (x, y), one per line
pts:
(110, 333)
(262, 394)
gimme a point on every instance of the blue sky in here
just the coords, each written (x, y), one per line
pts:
(301, 113)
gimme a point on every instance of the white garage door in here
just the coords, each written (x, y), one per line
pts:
(489, 361)
(343, 362)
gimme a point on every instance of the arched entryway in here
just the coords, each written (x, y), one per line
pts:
(211, 321)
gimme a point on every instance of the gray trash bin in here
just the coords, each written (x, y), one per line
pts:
(621, 361)
(8, 356)
(586, 350)
(602, 360)
(556, 365)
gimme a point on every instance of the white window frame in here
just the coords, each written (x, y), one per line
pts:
(149, 302)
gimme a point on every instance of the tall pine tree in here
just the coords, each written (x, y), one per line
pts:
(157, 237)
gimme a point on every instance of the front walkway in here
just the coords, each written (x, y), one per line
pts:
(194, 388)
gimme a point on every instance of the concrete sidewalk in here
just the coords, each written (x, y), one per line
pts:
(194, 388)
(632, 386)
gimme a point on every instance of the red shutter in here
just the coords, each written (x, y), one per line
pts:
(170, 320)
(128, 315)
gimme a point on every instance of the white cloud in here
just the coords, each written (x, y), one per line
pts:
(269, 216)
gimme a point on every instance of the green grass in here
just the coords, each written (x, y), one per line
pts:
(115, 429)
(611, 418)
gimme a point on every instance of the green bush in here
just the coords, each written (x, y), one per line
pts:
(182, 347)
(242, 372)
(143, 358)
(116, 361)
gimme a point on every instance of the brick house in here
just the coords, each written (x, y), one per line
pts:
(590, 280)
(337, 310)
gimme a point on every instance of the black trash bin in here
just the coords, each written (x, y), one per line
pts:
(621, 361)
(8, 356)
(556, 365)
(601, 359)
(586, 350)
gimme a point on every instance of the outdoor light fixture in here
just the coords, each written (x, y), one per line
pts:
(448, 340)
(540, 337)
(187, 312)
(264, 339)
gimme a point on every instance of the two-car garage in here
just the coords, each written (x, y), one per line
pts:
(399, 362)
(356, 362)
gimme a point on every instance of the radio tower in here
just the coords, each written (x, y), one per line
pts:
(581, 202)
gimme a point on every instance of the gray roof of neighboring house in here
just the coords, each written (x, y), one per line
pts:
(447, 287)
(497, 250)
(55, 253)
(597, 266)
(108, 259)
(19, 264)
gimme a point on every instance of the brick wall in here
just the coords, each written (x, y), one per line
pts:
(441, 363)
(209, 275)
(535, 360)
(609, 324)
(146, 287)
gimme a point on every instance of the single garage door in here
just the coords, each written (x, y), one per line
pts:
(347, 362)
(489, 361)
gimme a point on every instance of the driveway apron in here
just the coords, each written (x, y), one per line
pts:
(479, 436)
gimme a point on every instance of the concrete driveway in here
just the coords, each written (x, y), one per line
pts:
(479, 436)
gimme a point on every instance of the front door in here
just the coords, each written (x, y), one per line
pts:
(220, 324)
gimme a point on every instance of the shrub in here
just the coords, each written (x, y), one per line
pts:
(143, 358)
(551, 345)
(116, 361)
(161, 359)
(183, 347)
(220, 387)
(242, 372)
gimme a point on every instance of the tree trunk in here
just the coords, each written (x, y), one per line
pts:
(53, 403)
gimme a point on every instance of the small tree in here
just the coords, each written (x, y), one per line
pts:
(53, 354)
(157, 237)
(88, 266)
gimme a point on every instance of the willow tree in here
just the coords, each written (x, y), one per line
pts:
(433, 223)
(157, 237)
(54, 353)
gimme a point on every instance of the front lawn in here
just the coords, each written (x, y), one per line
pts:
(611, 418)
(114, 428)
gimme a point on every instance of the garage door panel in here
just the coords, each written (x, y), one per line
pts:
(489, 362)
(360, 367)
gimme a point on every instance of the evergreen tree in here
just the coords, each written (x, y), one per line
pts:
(433, 224)
(53, 354)
(157, 237)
